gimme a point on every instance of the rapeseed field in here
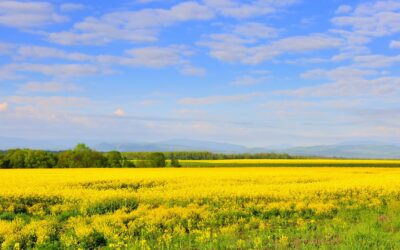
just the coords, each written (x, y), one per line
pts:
(200, 208)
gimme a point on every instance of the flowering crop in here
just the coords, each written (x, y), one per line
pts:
(211, 208)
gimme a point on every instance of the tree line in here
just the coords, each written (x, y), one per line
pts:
(84, 157)
(80, 157)
(200, 155)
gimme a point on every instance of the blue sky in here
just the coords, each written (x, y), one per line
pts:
(255, 72)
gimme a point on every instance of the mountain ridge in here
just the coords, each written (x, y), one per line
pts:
(369, 149)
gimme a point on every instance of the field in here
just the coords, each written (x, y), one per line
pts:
(290, 163)
(201, 208)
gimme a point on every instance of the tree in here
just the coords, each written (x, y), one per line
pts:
(16, 158)
(82, 157)
(81, 147)
(114, 159)
(156, 160)
(4, 163)
(40, 159)
(128, 164)
(174, 161)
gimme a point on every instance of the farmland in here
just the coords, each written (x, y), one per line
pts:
(291, 163)
(208, 208)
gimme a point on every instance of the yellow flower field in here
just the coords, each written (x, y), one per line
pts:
(296, 161)
(206, 208)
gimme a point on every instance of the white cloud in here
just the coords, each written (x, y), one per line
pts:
(150, 57)
(48, 87)
(5, 48)
(3, 106)
(195, 113)
(48, 111)
(255, 30)
(341, 73)
(56, 70)
(119, 112)
(248, 80)
(48, 52)
(347, 82)
(377, 87)
(133, 26)
(146, 1)
(49, 102)
(395, 44)
(306, 43)
(376, 19)
(376, 61)
(250, 9)
(348, 52)
(67, 7)
(7, 72)
(343, 9)
(235, 49)
(307, 60)
(22, 14)
(155, 57)
(285, 105)
(217, 99)
(149, 102)
(193, 71)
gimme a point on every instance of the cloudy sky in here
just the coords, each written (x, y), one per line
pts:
(254, 72)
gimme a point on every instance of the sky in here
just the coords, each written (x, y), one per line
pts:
(253, 72)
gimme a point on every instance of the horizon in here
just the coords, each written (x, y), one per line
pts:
(290, 72)
(7, 143)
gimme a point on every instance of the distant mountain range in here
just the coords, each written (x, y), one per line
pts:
(347, 150)
(173, 145)
(366, 150)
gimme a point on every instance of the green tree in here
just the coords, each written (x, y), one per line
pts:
(81, 147)
(156, 160)
(4, 163)
(114, 159)
(40, 159)
(174, 161)
(82, 157)
(128, 164)
(16, 158)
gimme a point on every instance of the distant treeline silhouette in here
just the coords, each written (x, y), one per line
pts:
(84, 157)
(79, 157)
(194, 155)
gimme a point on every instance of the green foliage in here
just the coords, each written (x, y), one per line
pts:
(94, 240)
(194, 155)
(40, 159)
(114, 159)
(156, 160)
(82, 157)
(16, 158)
(175, 162)
(128, 164)
(81, 147)
(112, 205)
(27, 158)
(4, 162)
(151, 160)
